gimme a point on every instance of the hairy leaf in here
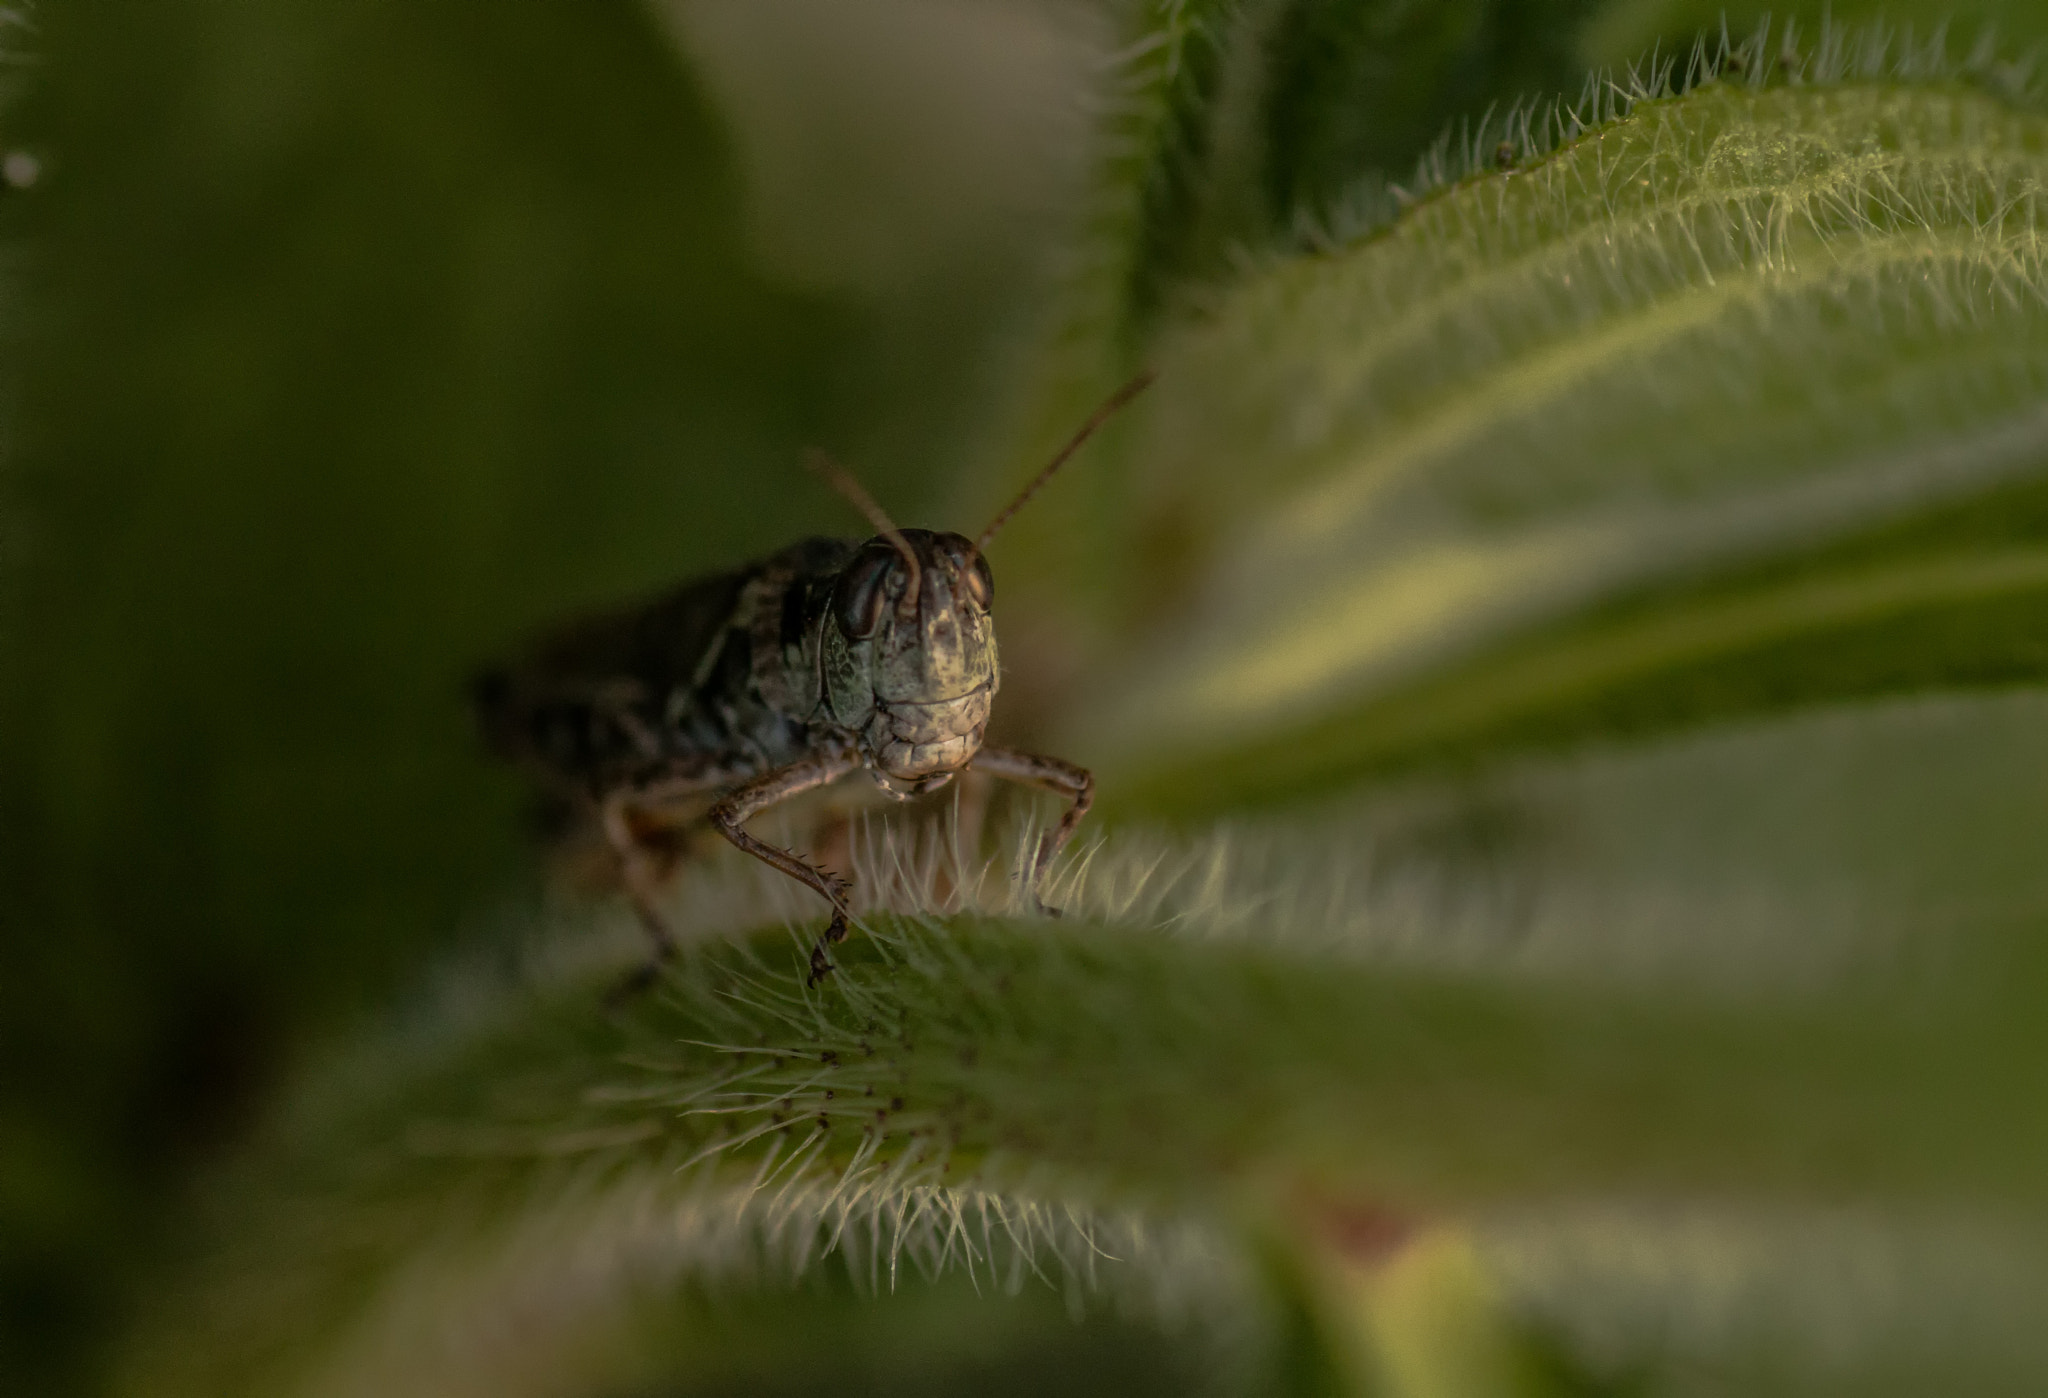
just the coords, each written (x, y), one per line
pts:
(1730, 403)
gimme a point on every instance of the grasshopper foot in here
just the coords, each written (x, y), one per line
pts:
(835, 932)
(1038, 903)
(820, 967)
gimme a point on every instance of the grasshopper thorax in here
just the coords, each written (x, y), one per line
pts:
(911, 655)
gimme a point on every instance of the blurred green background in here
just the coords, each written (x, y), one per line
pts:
(347, 342)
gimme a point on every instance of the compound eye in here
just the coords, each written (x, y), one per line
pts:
(972, 567)
(981, 582)
(857, 599)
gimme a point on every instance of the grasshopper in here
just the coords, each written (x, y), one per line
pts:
(752, 686)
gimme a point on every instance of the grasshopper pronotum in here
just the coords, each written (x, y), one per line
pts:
(828, 657)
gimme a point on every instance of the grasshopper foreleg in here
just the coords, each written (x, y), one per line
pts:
(1064, 779)
(744, 802)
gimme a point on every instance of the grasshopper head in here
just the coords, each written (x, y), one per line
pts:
(914, 655)
(931, 652)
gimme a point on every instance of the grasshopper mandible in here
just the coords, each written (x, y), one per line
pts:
(829, 657)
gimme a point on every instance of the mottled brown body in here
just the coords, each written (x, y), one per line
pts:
(828, 657)
(760, 684)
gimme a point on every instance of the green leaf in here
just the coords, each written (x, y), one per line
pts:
(1730, 403)
(1578, 982)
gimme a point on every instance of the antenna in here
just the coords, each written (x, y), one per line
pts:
(1102, 414)
(841, 480)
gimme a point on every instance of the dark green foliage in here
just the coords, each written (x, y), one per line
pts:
(1249, 119)
(1355, 87)
(362, 339)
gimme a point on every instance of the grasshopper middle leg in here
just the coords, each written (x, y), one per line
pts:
(1076, 784)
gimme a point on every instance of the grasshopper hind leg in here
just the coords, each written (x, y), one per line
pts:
(643, 868)
(648, 850)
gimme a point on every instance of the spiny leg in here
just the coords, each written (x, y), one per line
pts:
(742, 803)
(1076, 784)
